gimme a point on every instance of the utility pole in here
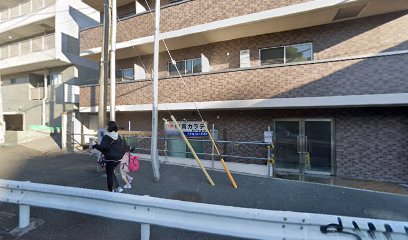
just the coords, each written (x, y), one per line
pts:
(113, 62)
(103, 78)
(2, 123)
(154, 152)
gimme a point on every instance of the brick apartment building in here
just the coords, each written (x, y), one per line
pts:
(329, 77)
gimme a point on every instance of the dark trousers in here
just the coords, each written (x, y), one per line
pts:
(110, 174)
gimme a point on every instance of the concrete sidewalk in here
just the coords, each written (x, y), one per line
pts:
(182, 183)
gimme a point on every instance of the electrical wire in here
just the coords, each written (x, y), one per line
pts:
(145, 68)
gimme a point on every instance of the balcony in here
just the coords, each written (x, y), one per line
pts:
(29, 55)
(37, 93)
(34, 45)
(199, 22)
(338, 82)
(23, 8)
(29, 18)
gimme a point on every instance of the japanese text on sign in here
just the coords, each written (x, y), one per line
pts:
(190, 128)
(268, 136)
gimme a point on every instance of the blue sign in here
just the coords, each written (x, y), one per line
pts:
(196, 134)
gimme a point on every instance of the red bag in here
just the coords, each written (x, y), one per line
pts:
(134, 164)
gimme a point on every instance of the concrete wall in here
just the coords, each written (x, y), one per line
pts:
(17, 98)
(71, 18)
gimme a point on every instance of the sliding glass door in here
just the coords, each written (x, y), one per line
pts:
(304, 145)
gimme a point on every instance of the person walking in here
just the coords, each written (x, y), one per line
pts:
(113, 147)
(124, 170)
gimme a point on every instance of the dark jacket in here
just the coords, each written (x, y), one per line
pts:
(112, 149)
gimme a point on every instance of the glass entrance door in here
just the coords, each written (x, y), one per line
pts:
(303, 145)
(286, 144)
(319, 146)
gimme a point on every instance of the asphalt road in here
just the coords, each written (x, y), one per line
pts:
(180, 183)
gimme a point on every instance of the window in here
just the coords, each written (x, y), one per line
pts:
(286, 54)
(127, 73)
(188, 66)
(55, 78)
(13, 81)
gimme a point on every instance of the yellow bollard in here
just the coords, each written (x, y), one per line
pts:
(192, 150)
(222, 160)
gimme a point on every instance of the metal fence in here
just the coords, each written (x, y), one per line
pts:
(215, 219)
(256, 152)
(38, 44)
(239, 151)
(23, 8)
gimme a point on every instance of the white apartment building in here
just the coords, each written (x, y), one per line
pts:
(40, 65)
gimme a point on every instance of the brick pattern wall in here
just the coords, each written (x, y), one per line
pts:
(183, 15)
(370, 143)
(341, 39)
(376, 75)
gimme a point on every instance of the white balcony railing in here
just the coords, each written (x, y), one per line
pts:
(23, 9)
(37, 93)
(38, 44)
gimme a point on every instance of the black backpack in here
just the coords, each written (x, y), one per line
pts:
(117, 149)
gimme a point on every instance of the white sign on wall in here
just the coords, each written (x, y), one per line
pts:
(268, 136)
(245, 59)
(190, 128)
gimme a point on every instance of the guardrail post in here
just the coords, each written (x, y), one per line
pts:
(24, 216)
(145, 231)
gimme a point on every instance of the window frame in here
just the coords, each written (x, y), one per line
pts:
(284, 53)
(122, 75)
(184, 72)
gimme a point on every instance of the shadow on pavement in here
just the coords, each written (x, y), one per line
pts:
(181, 183)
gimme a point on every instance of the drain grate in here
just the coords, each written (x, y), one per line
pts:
(188, 196)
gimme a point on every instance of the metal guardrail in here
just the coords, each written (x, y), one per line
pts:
(215, 219)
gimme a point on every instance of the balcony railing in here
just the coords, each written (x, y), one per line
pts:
(23, 9)
(37, 93)
(38, 44)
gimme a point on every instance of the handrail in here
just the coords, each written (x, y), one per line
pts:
(166, 150)
(216, 219)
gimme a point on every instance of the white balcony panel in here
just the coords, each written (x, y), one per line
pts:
(29, 55)
(26, 13)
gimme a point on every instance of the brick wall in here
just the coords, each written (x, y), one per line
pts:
(376, 75)
(376, 34)
(370, 143)
(188, 14)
